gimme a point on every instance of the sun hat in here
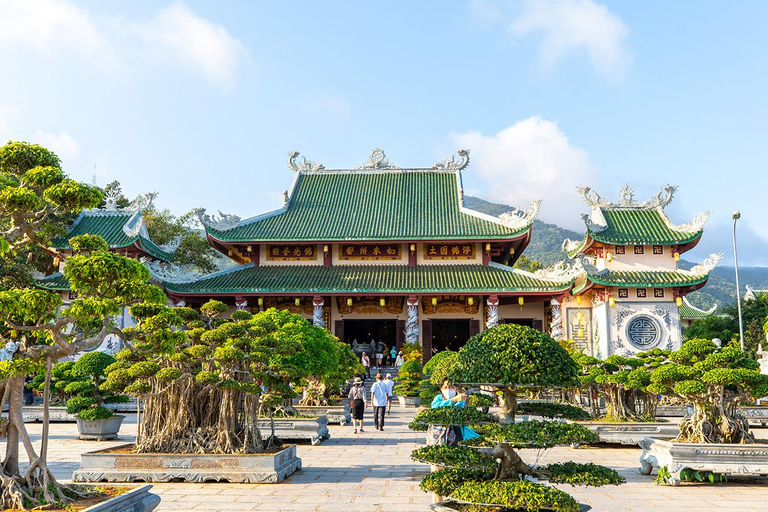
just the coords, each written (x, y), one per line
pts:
(358, 381)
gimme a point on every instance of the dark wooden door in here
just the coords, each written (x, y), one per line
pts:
(400, 338)
(426, 340)
(339, 329)
(538, 325)
(474, 327)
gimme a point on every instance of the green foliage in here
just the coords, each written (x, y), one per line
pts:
(454, 456)
(449, 416)
(512, 354)
(440, 366)
(573, 473)
(427, 392)
(86, 379)
(518, 495)
(411, 351)
(444, 481)
(94, 413)
(553, 410)
(478, 400)
(409, 379)
(437, 360)
(533, 434)
(87, 243)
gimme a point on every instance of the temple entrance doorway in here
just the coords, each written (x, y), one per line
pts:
(449, 334)
(363, 331)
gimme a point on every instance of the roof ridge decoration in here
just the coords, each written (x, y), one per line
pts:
(560, 272)
(571, 245)
(704, 311)
(627, 199)
(696, 225)
(172, 245)
(451, 165)
(590, 267)
(170, 272)
(518, 219)
(706, 266)
(377, 159)
(305, 166)
(222, 222)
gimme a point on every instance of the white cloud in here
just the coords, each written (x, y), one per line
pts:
(175, 34)
(60, 143)
(566, 27)
(182, 35)
(532, 159)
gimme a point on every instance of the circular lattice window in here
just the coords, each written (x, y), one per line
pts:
(643, 332)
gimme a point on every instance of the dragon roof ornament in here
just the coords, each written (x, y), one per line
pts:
(451, 165)
(706, 266)
(595, 222)
(589, 267)
(222, 222)
(696, 225)
(305, 166)
(172, 245)
(560, 272)
(571, 245)
(518, 219)
(169, 272)
(627, 199)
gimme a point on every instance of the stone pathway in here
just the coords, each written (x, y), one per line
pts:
(373, 472)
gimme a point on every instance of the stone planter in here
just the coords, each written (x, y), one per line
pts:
(442, 506)
(100, 430)
(129, 406)
(630, 433)
(336, 413)
(756, 415)
(409, 401)
(728, 459)
(135, 500)
(257, 468)
(313, 429)
(55, 414)
(674, 411)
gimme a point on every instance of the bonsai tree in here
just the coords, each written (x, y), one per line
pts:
(86, 378)
(494, 477)
(623, 384)
(510, 356)
(204, 380)
(716, 380)
(409, 379)
(411, 351)
(326, 376)
(60, 378)
(36, 201)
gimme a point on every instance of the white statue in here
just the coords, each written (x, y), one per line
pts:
(763, 358)
(557, 320)
(6, 354)
(412, 324)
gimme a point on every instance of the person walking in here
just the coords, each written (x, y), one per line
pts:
(392, 355)
(390, 391)
(358, 403)
(379, 397)
(366, 363)
(379, 354)
(400, 359)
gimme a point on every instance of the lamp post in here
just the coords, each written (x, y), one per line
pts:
(737, 216)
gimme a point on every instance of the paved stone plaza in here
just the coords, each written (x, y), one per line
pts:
(373, 472)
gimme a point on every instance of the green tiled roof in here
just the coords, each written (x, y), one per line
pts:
(639, 227)
(109, 225)
(367, 279)
(340, 206)
(54, 282)
(691, 312)
(645, 279)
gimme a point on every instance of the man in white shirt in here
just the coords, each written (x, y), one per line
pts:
(379, 397)
(390, 391)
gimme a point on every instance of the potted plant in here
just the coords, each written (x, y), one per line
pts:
(409, 378)
(716, 438)
(94, 421)
(622, 385)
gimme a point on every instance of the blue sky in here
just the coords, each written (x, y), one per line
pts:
(202, 101)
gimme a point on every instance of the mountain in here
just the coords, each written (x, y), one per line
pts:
(546, 247)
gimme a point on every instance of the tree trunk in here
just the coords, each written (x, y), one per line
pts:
(508, 405)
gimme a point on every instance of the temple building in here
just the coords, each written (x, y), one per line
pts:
(380, 252)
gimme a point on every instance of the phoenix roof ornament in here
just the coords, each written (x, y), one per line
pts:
(518, 219)
(627, 199)
(222, 222)
(450, 164)
(306, 166)
(706, 266)
(169, 272)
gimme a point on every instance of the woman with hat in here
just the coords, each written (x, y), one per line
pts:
(357, 403)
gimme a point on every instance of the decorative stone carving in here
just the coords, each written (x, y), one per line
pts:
(314, 430)
(518, 219)
(317, 312)
(589, 267)
(571, 245)
(665, 313)
(763, 359)
(450, 164)
(631, 433)
(142, 202)
(595, 222)
(378, 160)
(492, 312)
(222, 222)
(728, 459)
(696, 225)
(135, 226)
(412, 330)
(561, 272)
(627, 198)
(706, 266)
(619, 314)
(335, 413)
(172, 245)
(169, 272)
(556, 328)
(6, 354)
(241, 303)
(305, 166)
(101, 466)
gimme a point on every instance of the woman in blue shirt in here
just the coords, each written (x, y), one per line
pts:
(449, 397)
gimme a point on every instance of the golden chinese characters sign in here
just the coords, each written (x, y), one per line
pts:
(449, 251)
(369, 252)
(291, 252)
